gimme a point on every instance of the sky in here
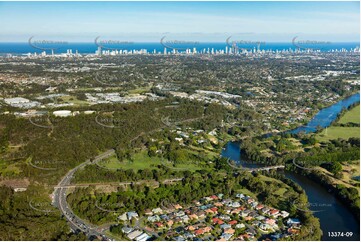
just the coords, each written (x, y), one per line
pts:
(204, 21)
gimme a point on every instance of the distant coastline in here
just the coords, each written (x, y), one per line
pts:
(22, 48)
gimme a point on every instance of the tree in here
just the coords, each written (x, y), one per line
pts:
(335, 168)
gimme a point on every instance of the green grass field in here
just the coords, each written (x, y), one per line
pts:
(352, 116)
(281, 191)
(335, 132)
(73, 99)
(142, 161)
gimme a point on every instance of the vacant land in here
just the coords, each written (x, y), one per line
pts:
(352, 116)
(351, 172)
(335, 132)
(141, 161)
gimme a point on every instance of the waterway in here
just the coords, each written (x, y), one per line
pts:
(334, 216)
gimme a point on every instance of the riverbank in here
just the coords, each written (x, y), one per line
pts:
(347, 195)
(339, 211)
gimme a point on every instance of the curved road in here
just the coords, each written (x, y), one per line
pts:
(76, 223)
(59, 200)
(60, 191)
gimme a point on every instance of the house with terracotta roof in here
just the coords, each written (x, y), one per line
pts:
(158, 225)
(235, 211)
(214, 209)
(229, 231)
(273, 212)
(177, 206)
(218, 204)
(199, 232)
(293, 231)
(191, 228)
(217, 221)
(207, 229)
(170, 223)
(248, 218)
(270, 221)
(233, 222)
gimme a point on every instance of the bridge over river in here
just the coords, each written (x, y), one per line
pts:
(255, 169)
(266, 168)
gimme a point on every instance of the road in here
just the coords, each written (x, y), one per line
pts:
(76, 223)
(59, 200)
(60, 192)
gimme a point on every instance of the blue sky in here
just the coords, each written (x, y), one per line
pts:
(204, 21)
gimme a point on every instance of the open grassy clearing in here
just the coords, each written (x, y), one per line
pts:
(352, 116)
(335, 132)
(141, 161)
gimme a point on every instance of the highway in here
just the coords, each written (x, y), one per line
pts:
(60, 192)
(59, 201)
(76, 223)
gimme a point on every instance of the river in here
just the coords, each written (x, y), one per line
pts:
(334, 216)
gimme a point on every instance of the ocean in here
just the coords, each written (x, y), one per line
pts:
(90, 48)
